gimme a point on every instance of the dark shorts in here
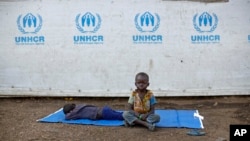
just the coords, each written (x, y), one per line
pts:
(110, 114)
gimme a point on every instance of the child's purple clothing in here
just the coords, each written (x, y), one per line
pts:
(93, 112)
(83, 112)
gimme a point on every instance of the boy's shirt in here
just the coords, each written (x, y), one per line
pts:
(142, 106)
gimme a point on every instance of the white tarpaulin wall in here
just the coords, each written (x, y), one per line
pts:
(95, 47)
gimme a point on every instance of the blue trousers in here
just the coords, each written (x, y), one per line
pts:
(110, 114)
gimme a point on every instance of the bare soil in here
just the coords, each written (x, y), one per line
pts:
(18, 119)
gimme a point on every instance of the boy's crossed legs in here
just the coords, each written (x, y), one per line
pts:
(132, 119)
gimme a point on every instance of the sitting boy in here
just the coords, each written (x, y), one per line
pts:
(141, 104)
(85, 111)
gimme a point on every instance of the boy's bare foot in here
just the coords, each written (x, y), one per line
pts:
(151, 127)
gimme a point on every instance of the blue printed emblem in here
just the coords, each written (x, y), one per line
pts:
(205, 22)
(147, 22)
(88, 22)
(29, 23)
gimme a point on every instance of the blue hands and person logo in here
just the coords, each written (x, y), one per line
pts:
(29, 23)
(205, 22)
(88, 22)
(147, 22)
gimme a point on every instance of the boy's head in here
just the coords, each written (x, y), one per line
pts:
(68, 107)
(141, 80)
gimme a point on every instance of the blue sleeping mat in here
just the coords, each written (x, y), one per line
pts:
(169, 118)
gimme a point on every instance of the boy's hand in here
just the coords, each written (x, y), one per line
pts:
(137, 114)
(143, 116)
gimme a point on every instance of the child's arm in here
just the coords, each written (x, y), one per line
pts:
(131, 109)
(152, 111)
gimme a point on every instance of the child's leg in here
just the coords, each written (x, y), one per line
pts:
(150, 126)
(153, 118)
(141, 122)
(132, 119)
(129, 117)
(110, 114)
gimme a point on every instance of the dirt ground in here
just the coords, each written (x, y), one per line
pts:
(18, 119)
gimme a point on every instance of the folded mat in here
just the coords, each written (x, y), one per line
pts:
(169, 118)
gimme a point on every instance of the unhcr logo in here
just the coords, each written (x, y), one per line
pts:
(147, 24)
(29, 24)
(88, 23)
(205, 24)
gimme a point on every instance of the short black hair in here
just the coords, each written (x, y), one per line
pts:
(142, 74)
(68, 107)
